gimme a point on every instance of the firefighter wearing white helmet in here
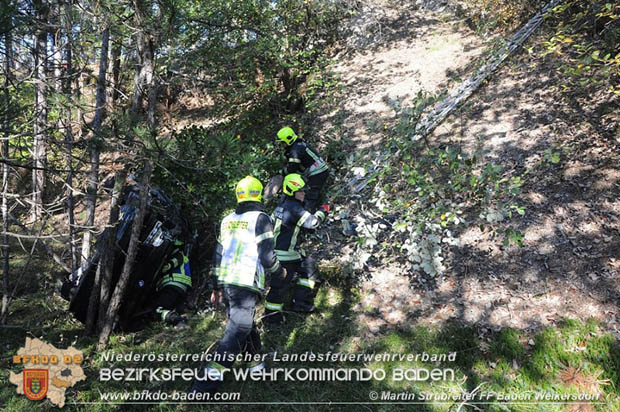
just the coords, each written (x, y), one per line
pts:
(244, 257)
(306, 161)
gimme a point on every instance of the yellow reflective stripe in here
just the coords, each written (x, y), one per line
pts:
(298, 226)
(318, 166)
(276, 230)
(177, 284)
(294, 160)
(309, 283)
(320, 169)
(163, 312)
(261, 280)
(266, 235)
(182, 278)
(303, 218)
(274, 306)
(287, 255)
(274, 268)
(237, 255)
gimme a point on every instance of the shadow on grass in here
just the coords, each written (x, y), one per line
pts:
(507, 361)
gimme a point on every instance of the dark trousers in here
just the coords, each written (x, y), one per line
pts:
(313, 195)
(167, 304)
(304, 275)
(240, 336)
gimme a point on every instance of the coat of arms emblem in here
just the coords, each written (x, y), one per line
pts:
(36, 383)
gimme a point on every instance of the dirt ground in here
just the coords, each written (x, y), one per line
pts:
(569, 265)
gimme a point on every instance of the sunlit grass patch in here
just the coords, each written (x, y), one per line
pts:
(572, 358)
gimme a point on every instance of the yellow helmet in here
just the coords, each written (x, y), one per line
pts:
(249, 189)
(287, 135)
(292, 183)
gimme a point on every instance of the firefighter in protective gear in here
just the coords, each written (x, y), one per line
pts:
(173, 287)
(290, 218)
(306, 161)
(244, 257)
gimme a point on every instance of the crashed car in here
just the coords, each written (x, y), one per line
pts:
(162, 229)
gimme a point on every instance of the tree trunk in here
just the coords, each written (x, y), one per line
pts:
(132, 250)
(144, 73)
(149, 78)
(40, 112)
(69, 137)
(5, 180)
(79, 85)
(56, 38)
(93, 177)
(93, 300)
(143, 79)
(143, 87)
(107, 256)
(115, 58)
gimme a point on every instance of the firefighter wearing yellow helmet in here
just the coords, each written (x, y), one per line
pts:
(306, 161)
(291, 219)
(244, 257)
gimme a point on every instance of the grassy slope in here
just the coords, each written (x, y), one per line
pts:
(573, 358)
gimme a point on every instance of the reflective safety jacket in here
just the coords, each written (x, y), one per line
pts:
(176, 271)
(289, 218)
(245, 254)
(304, 160)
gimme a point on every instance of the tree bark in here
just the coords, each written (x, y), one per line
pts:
(5, 180)
(144, 74)
(132, 250)
(115, 58)
(107, 256)
(79, 85)
(40, 112)
(56, 38)
(69, 136)
(93, 177)
(143, 79)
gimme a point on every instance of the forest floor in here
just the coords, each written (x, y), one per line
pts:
(569, 264)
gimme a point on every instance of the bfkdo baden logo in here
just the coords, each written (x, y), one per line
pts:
(36, 382)
(48, 371)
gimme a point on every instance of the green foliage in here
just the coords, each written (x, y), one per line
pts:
(18, 113)
(438, 190)
(254, 51)
(551, 156)
(260, 64)
(201, 166)
(587, 35)
(501, 15)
